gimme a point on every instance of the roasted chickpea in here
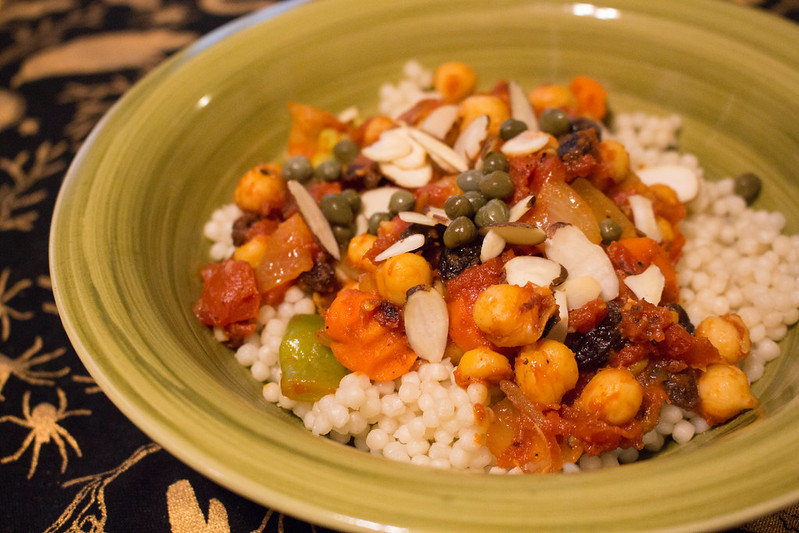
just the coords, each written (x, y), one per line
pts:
(262, 190)
(547, 96)
(454, 81)
(616, 159)
(510, 315)
(724, 392)
(399, 273)
(545, 371)
(359, 245)
(482, 365)
(728, 334)
(613, 394)
(484, 104)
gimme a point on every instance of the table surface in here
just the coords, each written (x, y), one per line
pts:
(99, 472)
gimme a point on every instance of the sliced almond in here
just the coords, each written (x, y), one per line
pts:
(517, 233)
(408, 244)
(416, 218)
(682, 179)
(540, 271)
(527, 142)
(440, 153)
(558, 331)
(580, 290)
(437, 214)
(492, 246)
(569, 246)
(644, 217)
(427, 324)
(416, 158)
(377, 200)
(521, 207)
(469, 142)
(313, 216)
(439, 121)
(392, 144)
(520, 107)
(351, 114)
(405, 177)
(648, 285)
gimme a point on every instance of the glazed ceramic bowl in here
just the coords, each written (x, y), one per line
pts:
(127, 244)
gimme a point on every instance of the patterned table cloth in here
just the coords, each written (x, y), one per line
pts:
(69, 460)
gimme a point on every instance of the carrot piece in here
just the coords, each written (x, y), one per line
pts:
(590, 96)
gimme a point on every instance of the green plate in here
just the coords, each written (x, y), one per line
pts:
(127, 244)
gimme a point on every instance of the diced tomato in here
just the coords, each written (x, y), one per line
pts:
(435, 194)
(290, 251)
(319, 189)
(462, 292)
(387, 234)
(633, 256)
(230, 294)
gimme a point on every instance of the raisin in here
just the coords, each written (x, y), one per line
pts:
(321, 278)
(583, 123)
(592, 349)
(682, 317)
(575, 145)
(681, 389)
(361, 174)
(453, 261)
(242, 225)
(431, 250)
(387, 314)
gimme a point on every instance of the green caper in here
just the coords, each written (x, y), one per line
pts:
(498, 184)
(345, 151)
(470, 180)
(610, 230)
(495, 161)
(297, 168)
(494, 212)
(554, 121)
(476, 198)
(510, 128)
(459, 232)
(336, 209)
(328, 170)
(401, 201)
(375, 220)
(343, 233)
(747, 186)
(458, 206)
(353, 198)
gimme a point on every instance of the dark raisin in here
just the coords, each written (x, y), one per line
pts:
(583, 123)
(361, 174)
(575, 145)
(592, 349)
(321, 278)
(387, 314)
(682, 391)
(553, 320)
(242, 225)
(453, 261)
(431, 250)
(682, 317)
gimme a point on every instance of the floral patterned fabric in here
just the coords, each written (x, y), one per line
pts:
(69, 460)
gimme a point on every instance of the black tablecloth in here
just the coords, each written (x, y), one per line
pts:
(69, 460)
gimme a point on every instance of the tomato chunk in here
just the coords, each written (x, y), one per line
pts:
(230, 294)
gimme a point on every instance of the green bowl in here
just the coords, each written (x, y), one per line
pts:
(127, 244)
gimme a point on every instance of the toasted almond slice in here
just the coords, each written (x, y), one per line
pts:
(404, 177)
(520, 107)
(521, 207)
(682, 179)
(648, 285)
(492, 246)
(416, 158)
(351, 114)
(440, 153)
(392, 144)
(517, 233)
(527, 142)
(561, 328)
(569, 246)
(437, 214)
(580, 290)
(644, 217)
(427, 324)
(377, 200)
(470, 140)
(313, 216)
(408, 244)
(524, 269)
(416, 218)
(439, 121)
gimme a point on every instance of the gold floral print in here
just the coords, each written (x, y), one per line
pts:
(6, 294)
(91, 385)
(21, 367)
(185, 515)
(43, 423)
(46, 283)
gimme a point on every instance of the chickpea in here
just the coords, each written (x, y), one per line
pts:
(724, 392)
(728, 334)
(454, 81)
(359, 245)
(545, 371)
(261, 189)
(482, 365)
(484, 104)
(546, 96)
(252, 251)
(615, 157)
(613, 394)
(400, 273)
(510, 315)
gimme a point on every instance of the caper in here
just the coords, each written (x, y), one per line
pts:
(297, 168)
(328, 170)
(494, 212)
(374, 221)
(343, 233)
(510, 128)
(345, 151)
(353, 198)
(554, 121)
(747, 186)
(336, 209)
(498, 184)
(610, 230)
(494, 161)
(459, 232)
(401, 201)
(470, 180)
(458, 206)
(476, 198)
